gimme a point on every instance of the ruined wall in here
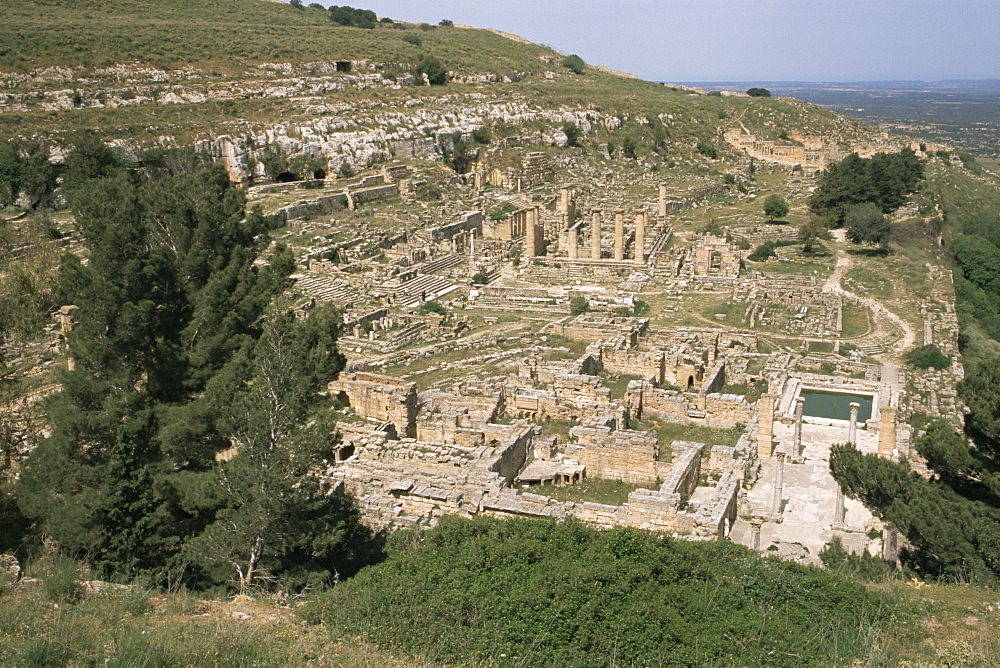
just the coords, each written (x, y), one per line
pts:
(629, 456)
(379, 397)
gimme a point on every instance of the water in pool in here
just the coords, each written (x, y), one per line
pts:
(835, 405)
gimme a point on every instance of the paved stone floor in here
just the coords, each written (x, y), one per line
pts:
(809, 497)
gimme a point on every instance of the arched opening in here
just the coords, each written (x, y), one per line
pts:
(343, 66)
(690, 387)
(319, 174)
(286, 177)
(343, 399)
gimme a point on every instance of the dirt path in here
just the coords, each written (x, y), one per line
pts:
(879, 311)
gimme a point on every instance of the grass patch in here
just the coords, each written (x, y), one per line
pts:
(856, 321)
(610, 492)
(868, 283)
(668, 432)
(618, 384)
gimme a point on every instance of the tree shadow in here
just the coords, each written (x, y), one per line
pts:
(869, 252)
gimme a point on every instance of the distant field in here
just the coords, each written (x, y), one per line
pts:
(962, 114)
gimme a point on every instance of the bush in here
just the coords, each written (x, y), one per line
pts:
(528, 592)
(575, 64)
(446, 23)
(432, 307)
(572, 132)
(481, 277)
(775, 207)
(482, 135)
(349, 16)
(578, 305)
(759, 92)
(413, 38)
(437, 73)
(763, 252)
(927, 357)
(707, 150)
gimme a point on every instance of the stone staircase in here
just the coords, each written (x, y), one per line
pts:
(326, 289)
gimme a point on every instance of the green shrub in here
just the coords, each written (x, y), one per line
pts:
(535, 593)
(763, 252)
(575, 64)
(432, 307)
(437, 73)
(481, 277)
(578, 305)
(759, 92)
(349, 16)
(707, 150)
(413, 38)
(928, 357)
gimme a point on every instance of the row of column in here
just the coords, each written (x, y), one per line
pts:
(765, 427)
(641, 221)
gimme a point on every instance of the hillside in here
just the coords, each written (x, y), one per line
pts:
(427, 345)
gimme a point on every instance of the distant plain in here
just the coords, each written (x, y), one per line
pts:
(964, 114)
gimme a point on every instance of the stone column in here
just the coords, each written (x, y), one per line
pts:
(799, 404)
(571, 243)
(663, 200)
(779, 482)
(619, 236)
(765, 424)
(531, 233)
(755, 524)
(595, 235)
(887, 431)
(853, 433)
(838, 512)
(640, 237)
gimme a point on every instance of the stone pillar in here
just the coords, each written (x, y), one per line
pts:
(755, 524)
(887, 431)
(779, 482)
(531, 233)
(765, 424)
(571, 243)
(619, 236)
(799, 405)
(838, 512)
(595, 235)
(640, 237)
(853, 433)
(663, 200)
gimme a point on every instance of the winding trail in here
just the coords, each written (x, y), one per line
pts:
(895, 350)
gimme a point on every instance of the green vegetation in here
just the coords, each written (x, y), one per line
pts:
(432, 307)
(349, 16)
(775, 207)
(928, 357)
(436, 72)
(866, 224)
(953, 522)
(179, 356)
(619, 384)
(575, 64)
(594, 490)
(522, 592)
(758, 92)
(707, 150)
(578, 305)
(883, 180)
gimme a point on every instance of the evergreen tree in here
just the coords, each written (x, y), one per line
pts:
(169, 296)
(276, 519)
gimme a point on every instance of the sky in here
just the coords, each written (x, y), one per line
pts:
(745, 40)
